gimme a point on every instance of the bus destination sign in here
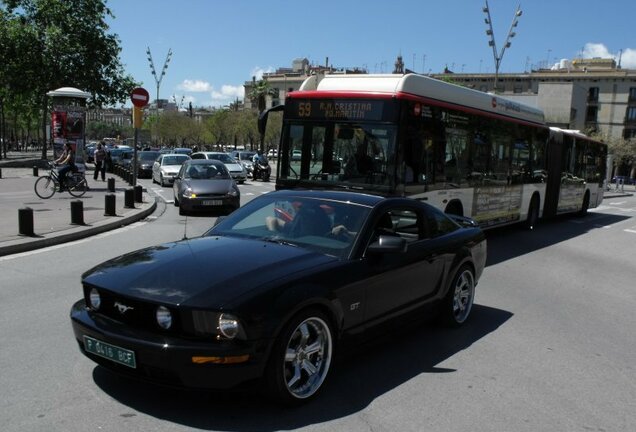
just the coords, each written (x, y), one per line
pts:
(333, 109)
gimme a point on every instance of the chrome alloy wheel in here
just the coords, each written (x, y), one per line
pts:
(463, 294)
(307, 357)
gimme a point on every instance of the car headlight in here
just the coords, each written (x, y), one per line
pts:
(188, 193)
(228, 325)
(164, 317)
(232, 192)
(95, 299)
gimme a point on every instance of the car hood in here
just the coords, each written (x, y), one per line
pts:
(205, 271)
(172, 169)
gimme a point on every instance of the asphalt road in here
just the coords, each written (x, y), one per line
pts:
(550, 346)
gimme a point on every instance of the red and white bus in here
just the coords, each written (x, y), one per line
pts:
(466, 152)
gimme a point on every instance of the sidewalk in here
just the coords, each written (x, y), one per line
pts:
(52, 217)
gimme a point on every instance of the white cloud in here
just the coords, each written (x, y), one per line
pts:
(627, 58)
(195, 86)
(259, 71)
(227, 93)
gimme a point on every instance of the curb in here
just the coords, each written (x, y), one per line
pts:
(78, 233)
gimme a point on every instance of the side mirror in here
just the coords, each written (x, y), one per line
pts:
(387, 244)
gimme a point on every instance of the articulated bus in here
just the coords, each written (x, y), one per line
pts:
(466, 152)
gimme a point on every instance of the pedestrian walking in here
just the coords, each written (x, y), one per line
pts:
(100, 162)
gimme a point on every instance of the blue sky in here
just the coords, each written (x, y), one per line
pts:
(218, 45)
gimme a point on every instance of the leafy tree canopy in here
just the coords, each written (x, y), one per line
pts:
(49, 44)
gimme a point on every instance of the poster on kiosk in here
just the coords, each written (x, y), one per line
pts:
(67, 122)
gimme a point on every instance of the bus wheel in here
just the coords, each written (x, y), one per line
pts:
(586, 204)
(533, 214)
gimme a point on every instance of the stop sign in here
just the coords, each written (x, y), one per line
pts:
(140, 97)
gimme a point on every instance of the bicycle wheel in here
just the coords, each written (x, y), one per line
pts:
(45, 187)
(77, 185)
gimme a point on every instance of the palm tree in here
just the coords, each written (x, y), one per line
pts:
(259, 91)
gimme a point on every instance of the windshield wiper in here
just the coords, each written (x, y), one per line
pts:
(278, 240)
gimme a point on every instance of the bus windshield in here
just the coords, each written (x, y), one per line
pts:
(354, 155)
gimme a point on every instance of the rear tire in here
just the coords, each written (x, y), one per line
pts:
(458, 303)
(77, 186)
(586, 205)
(301, 358)
(45, 187)
(533, 214)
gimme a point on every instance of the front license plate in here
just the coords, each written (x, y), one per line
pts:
(110, 352)
(213, 202)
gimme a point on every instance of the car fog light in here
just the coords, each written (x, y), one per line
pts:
(228, 325)
(95, 298)
(164, 317)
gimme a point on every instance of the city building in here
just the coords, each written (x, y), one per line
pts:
(596, 96)
(285, 80)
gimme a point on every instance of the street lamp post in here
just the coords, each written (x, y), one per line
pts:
(154, 73)
(491, 42)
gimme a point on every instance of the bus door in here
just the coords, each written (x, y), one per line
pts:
(553, 187)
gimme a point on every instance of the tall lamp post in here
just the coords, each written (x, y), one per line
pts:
(491, 42)
(154, 73)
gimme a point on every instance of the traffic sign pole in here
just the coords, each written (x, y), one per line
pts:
(139, 98)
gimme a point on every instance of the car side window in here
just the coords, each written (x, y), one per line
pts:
(401, 222)
(439, 224)
(197, 156)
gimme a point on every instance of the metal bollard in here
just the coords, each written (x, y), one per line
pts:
(129, 198)
(0, 172)
(35, 171)
(111, 184)
(25, 221)
(139, 191)
(109, 205)
(77, 212)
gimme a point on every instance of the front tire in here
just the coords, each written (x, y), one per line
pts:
(458, 302)
(44, 187)
(301, 358)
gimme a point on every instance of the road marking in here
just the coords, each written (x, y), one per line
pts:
(617, 203)
(630, 231)
(73, 243)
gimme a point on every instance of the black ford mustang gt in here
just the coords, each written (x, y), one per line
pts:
(271, 290)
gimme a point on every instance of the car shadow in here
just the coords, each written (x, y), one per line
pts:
(362, 375)
(513, 241)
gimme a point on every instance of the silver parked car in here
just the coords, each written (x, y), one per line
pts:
(205, 185)
(166, 168)
(237, 171)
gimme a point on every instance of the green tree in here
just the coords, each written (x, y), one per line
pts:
(258, 94)
(68, 46)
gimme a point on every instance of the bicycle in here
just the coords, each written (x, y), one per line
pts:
(46, 185)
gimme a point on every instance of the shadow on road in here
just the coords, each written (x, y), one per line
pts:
(513, 241)
(367, 372)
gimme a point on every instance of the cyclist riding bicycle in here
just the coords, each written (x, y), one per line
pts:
(67, 160)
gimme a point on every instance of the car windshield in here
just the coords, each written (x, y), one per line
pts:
(225, 158)
(206, 172)
(174, 160)
(247, 156)
(148, 156)
(311, 223)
